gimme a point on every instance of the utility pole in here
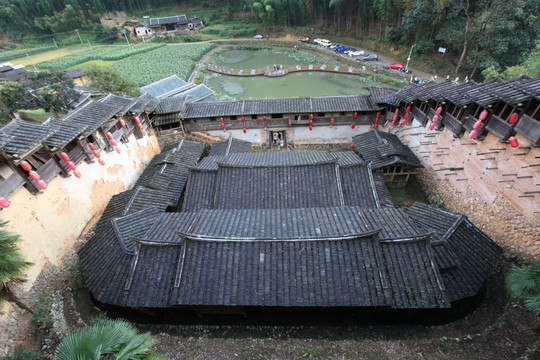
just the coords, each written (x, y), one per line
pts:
(29, 58)
(124, 32)
(55, 44)
(90, 45)
(409, 58)
(77, 31)
(144, 42)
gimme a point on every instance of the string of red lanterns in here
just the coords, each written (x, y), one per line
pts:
(70, 164)
(33, 175)
(353, 125)
(376, 124)
(96, 154)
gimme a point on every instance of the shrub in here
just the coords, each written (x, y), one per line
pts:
(523, 283)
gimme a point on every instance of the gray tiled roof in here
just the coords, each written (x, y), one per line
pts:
(145, 102)
(20, 136)
(383, 149)
(177, 19)
(383, 95)
(288, 158)
(358, 186)
(229, 146)
(122, 103)
(277, 106)
(164, 87)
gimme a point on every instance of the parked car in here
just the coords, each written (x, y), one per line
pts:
(396, 66)
(334, 46)
(258, 37)
(348, 51)
(343, 49)
(356, 53)
(370, 57)
(322, 42)
(304, 39)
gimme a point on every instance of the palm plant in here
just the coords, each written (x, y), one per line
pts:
(524, 283)
(105, 336)
(12, 266)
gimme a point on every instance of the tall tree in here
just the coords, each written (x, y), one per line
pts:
(108, 80)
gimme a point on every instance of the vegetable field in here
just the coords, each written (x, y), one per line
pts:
(14, 54)
(151, 66)
(107, 53)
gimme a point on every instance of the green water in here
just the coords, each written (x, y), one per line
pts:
(311, 83)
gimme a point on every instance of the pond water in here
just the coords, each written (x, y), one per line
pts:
(311, 83)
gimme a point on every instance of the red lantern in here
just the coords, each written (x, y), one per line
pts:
(395, 118)
(513, 118)
(122, 123)
(483, 115)
(42, 184)
(406, 116)
(351, 147)
(310, 127)
(109, 135)
(64, 156)
(408, 109)
(264, 118)
(404, 122)
(143, 133)
(473, 133)
(4, 203)
(477, 125)
(438, 111)
(378, 115)
(71, 165)
(34, 175)
(137, 120)
(375, 125)
(92, 147)
(393, 123)
(101, 162)
(114, 142)
(140, 126)
(435, 118)
(376, 120)
(310, 116)
(25, 165)
(332, 122)
(77, 173)
(117, 149)
(221, 119)
(353, 125)
(310, 122)
(244, 130)
(355, 114)
(432, 126)
(397, 111)
(513, 142)
(243, 119)
(290, 124)
(97, 155)
(222, 125)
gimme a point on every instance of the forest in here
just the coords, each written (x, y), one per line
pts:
(479, 34)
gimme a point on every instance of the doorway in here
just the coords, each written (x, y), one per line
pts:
(278, 140)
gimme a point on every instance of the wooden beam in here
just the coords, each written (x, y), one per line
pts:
(63, 170)
(34, 189)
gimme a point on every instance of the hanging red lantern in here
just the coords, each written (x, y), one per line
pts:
(77, 173)
(143, 133)
(513, 142)
(393, 123)
(243, 119)
(376, 120)
(353, 125)
(4, 203)
(438, 111)
(34, 175)
(71, 165)
(355, 114)
(114, 142)
(64, 156)
(394, 119)
(97, 155)
(332, 122)
(140, 126)
(221, 119)
(310, 127)
(477, 125)
(222, 125)
(473, 133)
(406, 116)
(101, 162)
(483, 115)
(513, 118)
(408, 109)
(404, 122)
(244, 130)
(42, 184)
(264, 118)
(435, 118)
(375, 125)
(432, 126)
(396, 111)
(351, 147)
(92, 147)
(117, 149)
(310, 122)
(122, 123)
(310, 116)
(290, 124)
(137, 120)
(109, 135)
(25, 165)
(378, 115)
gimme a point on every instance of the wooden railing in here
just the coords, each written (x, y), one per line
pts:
(268, 71)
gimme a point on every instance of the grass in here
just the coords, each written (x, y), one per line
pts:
(48, 55)
(84, 65)
(42, 313)
(38, 115)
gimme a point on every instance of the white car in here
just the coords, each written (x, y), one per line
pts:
(258, 37)
(322, 42)
(356, 53)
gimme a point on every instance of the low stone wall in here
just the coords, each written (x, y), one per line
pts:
(494, 185)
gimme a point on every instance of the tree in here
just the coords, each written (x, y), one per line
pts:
(105, 336)
(12, 267)
(53, 90)
(108, 80)
(11, 97)
(524, 284)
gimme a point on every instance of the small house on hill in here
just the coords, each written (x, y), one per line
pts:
(175, 23)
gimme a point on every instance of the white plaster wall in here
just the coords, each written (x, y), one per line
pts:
(52, 221)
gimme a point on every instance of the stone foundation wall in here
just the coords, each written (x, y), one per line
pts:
(496, 186)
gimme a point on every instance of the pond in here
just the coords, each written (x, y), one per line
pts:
(311, 83)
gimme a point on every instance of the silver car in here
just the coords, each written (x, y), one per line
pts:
(370, 57)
